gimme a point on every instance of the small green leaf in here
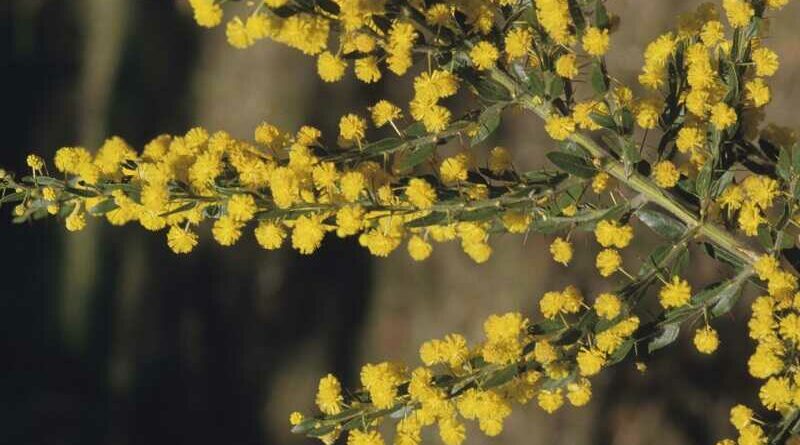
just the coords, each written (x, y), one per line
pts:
(418, 156)
(667, 335)
(728, 295)
(621, 352)
(661, 223)
(104, 207)
(488, 122)
(572, 164)
(430, 219)
(502, 376)
(481, 214)
(576, 13)
(382, 146)
(601, 19)
(603, 120)
(599, 79)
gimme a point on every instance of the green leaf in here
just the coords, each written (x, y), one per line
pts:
(601, 19)
(784, 165)
(667, 335)
(81, 192)
(491, 90)
(555, 87)
(599, 79)
(430, 219)
(488, 122)
(577, 16)
(418, 156)
(704, 180)
(661, 223)
(184, 208)
(104, 207)
(728, 295)
(382, 145)
(13, 197)
(481, 214)
(621, 352)
(572, 164)
(796, 157)
(603, 120)
(502, 376)
(536, 84)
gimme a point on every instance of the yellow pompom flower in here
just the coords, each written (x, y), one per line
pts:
(352, 184)
(676, 293)
(499, 160)
(295, 418)
(518, 43)
(242, 207)
(550, 400)
(418, 248)
(723, 116)
(706, 340)
(776, 394)
(596, 41)
(227, 231)
(610, 233)
(739, 12)
(385, 112)
(665, 174)
(765, 61)
(600, 182)
(608, 306)
(608, 261)
(329, 395)
(561, 251)
(420, 194)
(453, 169)
(484, 55)
(181, 240)
(270, 235)
(352, 127)
(237, 34)
(35, 162)
(560, 127)
(307, 234)
(741, 416)
(330, 68)
(579, 392)
(590, 361)
(567, 66)
(757, 92)
(367, 69)
(206, 13)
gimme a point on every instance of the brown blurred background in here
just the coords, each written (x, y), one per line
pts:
(108, 338)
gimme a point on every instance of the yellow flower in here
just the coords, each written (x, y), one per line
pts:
(516, 222)
(519, 42)
(242, 207)
(206, 13)
(270, 235)
(596, 41)
(352, 184)
(385, 112)
(550, 400)
(35, 162)
(776, 394)
(579, 392)
(295, 418)
(454, 169)
(741, 416)
(420, 194)
(237, 35)
(607, 306)
(307, 234)
(227, 231)
(352, 127)
(766, 61)
(484, 55)
(608, 261)
(499, 160)
(560, 127)
(706, 340)
(757, 92)
(600, 182)
(739, 12)
(610, 233)
(330, 68)
(329, 395)
(665, 174)
(590, 361)
(367, 69)
(180, 240)
(567, 66)
(676, 293)
(418, 248)
(723, 116)
(561, 251)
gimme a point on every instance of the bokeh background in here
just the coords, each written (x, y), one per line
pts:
(108, 338)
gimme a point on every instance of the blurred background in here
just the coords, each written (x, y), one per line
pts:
(109, 338)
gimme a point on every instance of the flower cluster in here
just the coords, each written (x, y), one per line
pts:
(419, 173)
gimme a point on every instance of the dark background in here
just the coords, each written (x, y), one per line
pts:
(109, 338)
